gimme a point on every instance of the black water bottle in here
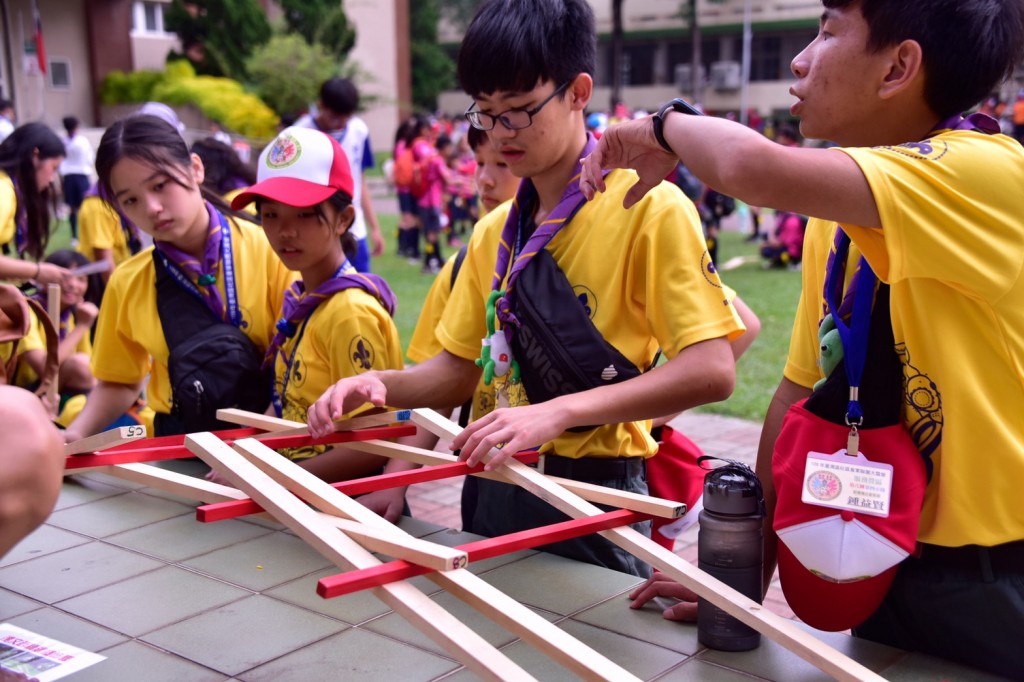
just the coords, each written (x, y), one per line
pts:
(730, 547)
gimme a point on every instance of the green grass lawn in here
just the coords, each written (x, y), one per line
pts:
(772, 294)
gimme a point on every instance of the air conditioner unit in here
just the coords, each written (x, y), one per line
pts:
(726, 75)
(684, 77)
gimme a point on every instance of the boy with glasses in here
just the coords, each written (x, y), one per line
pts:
(642, 278)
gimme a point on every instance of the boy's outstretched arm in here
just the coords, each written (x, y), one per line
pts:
(704, 372)
(737, 161)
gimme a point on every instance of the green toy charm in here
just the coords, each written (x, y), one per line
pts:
(831, 348)
(495, 355)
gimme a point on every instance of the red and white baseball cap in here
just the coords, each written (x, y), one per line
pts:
(301, 167)
(836, 565)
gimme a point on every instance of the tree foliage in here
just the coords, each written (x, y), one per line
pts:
(321, 22)
(432, 69)
(218, 35)
(287, 72)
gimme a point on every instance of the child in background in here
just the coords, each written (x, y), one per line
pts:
(201, 246)
(75, 171)
(106, 234)
(29, 158)
(335, 321)
(432, 167)
(226, 174)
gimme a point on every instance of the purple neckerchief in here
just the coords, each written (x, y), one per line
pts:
(203, 276)
(571, 201)
(131, 232)
(20, 221)
(976, 121)
(299, 305)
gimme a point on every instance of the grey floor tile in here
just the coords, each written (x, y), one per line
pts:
(137, 661)
(12, 604)
(69, 629)
(353, 655)
(775, 662)
(352, 608)
(110, 479)
(153, 600)
(182, 537)
(44, 540)
(397, 627)
(116, 514)
(74, 571)
(558, 584)
(262, 562)
(78, 490)
(645, 624)
(696, 670)
(244, 634)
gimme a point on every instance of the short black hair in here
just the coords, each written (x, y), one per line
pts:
(476, 138)
(70, 124)
(969, 46)
(513, 45)
(340, 96)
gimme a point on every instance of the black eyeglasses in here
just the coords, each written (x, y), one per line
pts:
(513, 119)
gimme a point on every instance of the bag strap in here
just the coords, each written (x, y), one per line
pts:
(51, 367)
(181, 314)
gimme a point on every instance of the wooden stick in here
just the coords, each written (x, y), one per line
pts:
(255, 419)
(174, 482)
(451, 634)
(53, 309)
(504, 610)
(337, 585)
(105, 440)
(357, 486)
(655, 506)
(401, 545)
(772, 626)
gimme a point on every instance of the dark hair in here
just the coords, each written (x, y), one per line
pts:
(67, 258)
(70, 124)
(16, 159)
(152, 141)
(6, 104)
(788, 131)
(476, 138)
(225, 171)
(512, 45)
(442, 141)
(968, 46)
(340, 96)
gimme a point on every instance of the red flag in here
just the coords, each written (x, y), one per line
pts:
(38, 36)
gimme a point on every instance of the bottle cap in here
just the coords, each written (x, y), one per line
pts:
(733, 490)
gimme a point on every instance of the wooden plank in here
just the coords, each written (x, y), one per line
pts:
(255, 419)
(105, 440)
(357, 486)
(646, 504)
(401, 545)
(772, 626)
(509, 613)
(442, 627)
(147, 453)
(338, 585)
(173, 482)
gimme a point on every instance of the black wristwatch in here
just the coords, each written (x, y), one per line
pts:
(677, 104)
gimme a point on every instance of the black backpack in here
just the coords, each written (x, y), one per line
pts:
(212, 364)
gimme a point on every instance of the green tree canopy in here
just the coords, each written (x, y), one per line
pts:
(287, 72)
(432, 68)
(320, 21)
(218, 35)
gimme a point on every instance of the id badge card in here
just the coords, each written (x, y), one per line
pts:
(850, 482)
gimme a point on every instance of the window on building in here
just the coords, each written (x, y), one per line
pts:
(148, 17)
(60, 74)
(766, 58)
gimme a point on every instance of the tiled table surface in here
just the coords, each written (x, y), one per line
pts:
(127, 572)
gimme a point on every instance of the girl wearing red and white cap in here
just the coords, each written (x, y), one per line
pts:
(335, 322)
